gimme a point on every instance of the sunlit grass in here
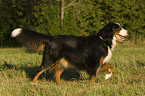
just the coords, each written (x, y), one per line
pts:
(17, 69)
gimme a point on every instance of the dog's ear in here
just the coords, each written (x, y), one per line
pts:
(110, 27)
(109, 30)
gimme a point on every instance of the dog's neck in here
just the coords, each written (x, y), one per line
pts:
(113, 43)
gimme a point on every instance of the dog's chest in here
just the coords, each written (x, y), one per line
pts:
(108, 57)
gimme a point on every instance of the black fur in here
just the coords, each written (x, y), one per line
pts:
(83, 52)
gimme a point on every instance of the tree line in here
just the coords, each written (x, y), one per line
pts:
(70, 17)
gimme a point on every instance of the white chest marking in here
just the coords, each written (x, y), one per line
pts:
(108, 57)
(113, 43)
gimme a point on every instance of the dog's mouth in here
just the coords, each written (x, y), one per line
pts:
(121, 38)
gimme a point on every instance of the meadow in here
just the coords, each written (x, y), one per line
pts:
(18, 68)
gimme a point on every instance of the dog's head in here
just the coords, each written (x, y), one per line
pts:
(113, 30)
(118, 31)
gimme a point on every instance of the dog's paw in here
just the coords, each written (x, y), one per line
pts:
(107, 76)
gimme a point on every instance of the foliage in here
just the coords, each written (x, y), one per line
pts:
(81, 17)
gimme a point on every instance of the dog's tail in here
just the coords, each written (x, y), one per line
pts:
(30, 38)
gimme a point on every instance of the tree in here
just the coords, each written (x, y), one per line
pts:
(70, 17)
(63, 7)
(10, 18)
(27, 5)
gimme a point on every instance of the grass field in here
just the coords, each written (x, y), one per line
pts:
(17, 69)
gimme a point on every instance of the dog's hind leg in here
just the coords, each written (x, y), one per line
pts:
(47, 59)
(58, 72)
(59, 68)
(109, 68)
(37, 76)
(46, 62)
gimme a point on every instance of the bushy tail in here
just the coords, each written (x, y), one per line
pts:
(30, 38)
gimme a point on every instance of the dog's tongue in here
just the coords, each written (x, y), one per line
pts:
(120, 38)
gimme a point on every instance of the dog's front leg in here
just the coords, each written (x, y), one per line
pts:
(109, 68)
(92, 75)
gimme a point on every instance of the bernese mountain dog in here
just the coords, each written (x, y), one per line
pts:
(90, 53)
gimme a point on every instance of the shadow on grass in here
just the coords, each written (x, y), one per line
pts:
(8, 66)
(68, 74)
(140, 64)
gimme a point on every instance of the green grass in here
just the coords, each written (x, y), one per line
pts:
(17, 69)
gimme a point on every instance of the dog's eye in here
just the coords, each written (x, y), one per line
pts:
(119, 28)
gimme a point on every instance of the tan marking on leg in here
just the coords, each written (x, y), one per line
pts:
(105, 67)
(92, 76)
(37, 76)
(63, 62)
(108, 68)
(59, 68)
(101, 60)
(58, 73)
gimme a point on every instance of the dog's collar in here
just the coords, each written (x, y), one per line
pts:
(101, 37)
